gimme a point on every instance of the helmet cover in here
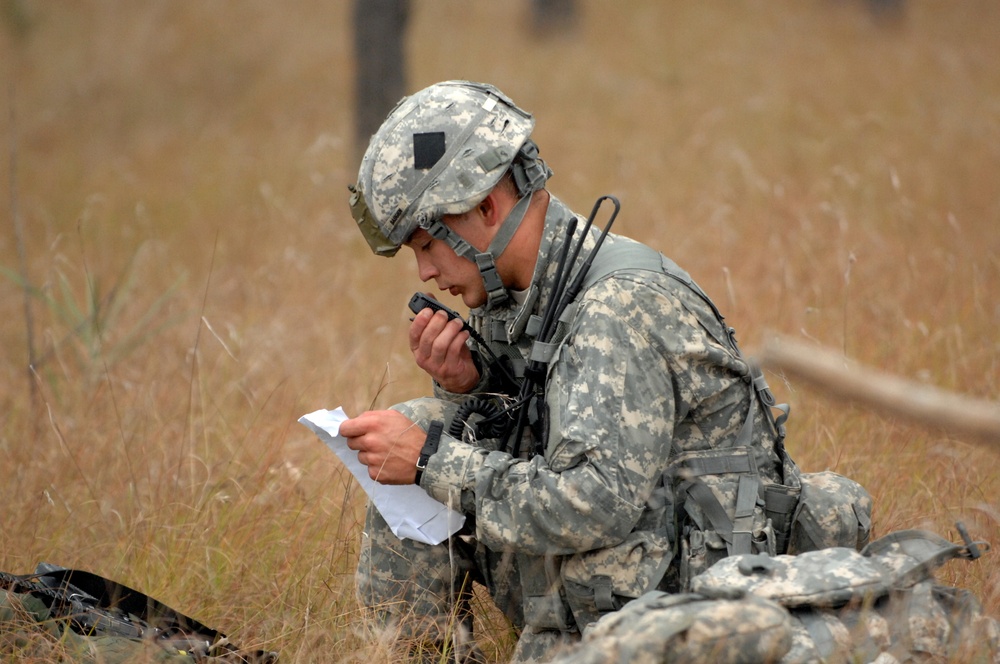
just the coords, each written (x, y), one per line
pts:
(440, 151)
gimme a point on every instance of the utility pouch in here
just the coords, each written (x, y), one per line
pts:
(780, 504)
(833, 510)
(602, 581)
(781, 500)
(545, 604)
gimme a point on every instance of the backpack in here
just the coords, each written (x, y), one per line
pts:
(88, 618)
(881, 602)
(881, 605)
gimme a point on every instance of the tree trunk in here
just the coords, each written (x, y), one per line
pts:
(380, 67)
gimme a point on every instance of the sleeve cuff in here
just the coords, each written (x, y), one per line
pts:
(450, 474)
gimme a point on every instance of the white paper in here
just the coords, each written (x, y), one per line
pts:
(407, 508)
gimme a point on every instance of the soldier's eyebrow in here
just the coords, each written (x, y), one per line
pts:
(416, 237)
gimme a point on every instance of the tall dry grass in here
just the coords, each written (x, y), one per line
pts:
(180, 173)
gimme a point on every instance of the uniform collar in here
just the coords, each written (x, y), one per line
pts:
(515, 317)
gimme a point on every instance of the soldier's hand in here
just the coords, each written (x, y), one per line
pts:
(439, 348)
(386, 441)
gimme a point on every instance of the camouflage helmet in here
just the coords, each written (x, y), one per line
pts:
(440, 151)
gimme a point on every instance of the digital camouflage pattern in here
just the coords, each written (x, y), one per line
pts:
(420, 594)
(643, 373)
(440, 151)
(686, 629)
(833, 511)
(826, 578)
(835, 605)
(638, 378)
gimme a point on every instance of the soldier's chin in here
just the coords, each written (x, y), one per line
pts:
(471, 300)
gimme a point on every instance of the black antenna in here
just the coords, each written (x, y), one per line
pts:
(561, 297)
(562, 274)
(524, 394)
(577, 284)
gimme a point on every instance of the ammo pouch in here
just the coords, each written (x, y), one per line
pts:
(602, 581)
(722, 508)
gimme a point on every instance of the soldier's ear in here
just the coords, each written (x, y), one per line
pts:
(491, 209)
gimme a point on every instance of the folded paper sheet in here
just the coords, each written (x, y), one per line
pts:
(408, 510)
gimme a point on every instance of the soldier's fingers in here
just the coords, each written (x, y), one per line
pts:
(418, 327)
(443, 343)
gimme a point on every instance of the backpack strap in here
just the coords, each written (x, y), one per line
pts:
(735, 531)
(621, 253)
(910, 556)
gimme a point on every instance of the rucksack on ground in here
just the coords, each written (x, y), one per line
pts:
(882, 604)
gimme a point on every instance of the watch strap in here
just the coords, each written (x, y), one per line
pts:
(430, 447)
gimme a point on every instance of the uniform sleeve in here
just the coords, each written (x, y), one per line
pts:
(610, 417)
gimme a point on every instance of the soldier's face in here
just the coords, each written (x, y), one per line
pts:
(438, 261)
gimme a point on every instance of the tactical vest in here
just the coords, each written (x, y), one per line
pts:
(717, 502)
(723, 505)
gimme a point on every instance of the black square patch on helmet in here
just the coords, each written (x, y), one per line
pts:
(427, 149)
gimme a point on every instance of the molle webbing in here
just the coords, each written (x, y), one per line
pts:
(688, 467)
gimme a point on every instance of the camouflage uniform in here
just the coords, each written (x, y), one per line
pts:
(643, 373)
(658, 453)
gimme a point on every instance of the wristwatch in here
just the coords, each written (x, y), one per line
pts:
(430, 447)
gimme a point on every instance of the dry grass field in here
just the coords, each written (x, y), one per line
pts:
(195, 283)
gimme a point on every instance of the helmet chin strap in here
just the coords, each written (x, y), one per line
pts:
(530, 174)
(496, 292)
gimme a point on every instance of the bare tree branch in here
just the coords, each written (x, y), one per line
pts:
(975, 419)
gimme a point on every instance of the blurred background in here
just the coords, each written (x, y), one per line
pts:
(181, 272)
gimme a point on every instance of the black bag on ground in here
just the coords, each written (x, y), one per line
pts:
(96, 619)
